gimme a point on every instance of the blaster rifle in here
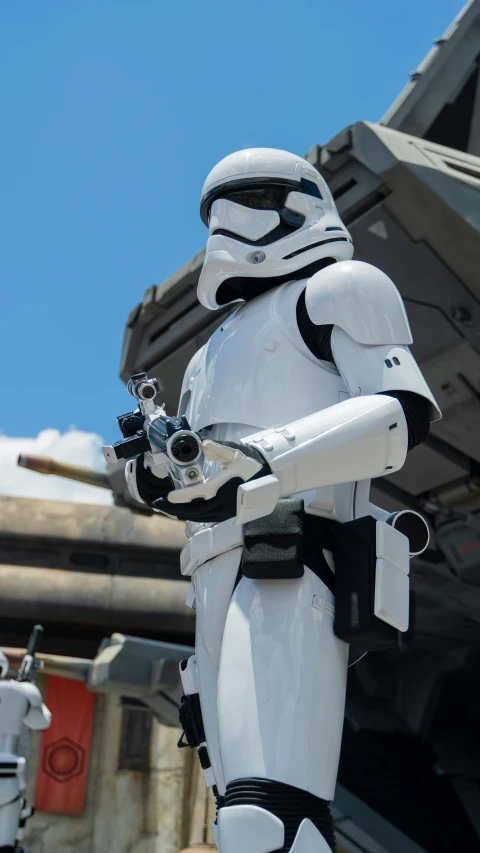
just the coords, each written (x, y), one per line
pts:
(149, 429)
(29, 665)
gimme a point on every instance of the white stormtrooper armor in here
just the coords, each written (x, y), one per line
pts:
(312, 376)
(20, 704)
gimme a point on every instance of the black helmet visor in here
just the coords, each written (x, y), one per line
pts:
(259, 194)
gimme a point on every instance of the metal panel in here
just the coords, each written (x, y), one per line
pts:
(357, 823)
(439, 77)
(426, 470)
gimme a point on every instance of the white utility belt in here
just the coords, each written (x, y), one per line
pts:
(209, 542)
(391, 586)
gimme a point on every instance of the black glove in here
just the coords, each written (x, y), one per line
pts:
(224, 504)
(150, 488)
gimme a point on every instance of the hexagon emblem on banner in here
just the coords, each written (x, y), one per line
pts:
(63, 760)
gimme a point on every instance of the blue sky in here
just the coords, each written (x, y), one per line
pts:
(113, 112)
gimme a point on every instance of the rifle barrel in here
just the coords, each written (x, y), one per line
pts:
(34, 640)
(46, 465)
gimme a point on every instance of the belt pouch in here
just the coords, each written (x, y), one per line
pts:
(272, 547)
(354, 554)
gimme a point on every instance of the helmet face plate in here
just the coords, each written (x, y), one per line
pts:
(241, 223)
(270, 214)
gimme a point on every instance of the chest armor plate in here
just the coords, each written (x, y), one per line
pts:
(256, 369)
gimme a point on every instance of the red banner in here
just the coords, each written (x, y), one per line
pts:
(65, 748)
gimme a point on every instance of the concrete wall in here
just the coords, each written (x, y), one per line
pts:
(161, 811)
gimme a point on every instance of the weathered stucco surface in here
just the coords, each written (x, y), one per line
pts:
(161, 811)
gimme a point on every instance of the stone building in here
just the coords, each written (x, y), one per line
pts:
(144, 795)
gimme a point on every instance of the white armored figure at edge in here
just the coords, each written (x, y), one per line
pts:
(306, 392)
(20, 704)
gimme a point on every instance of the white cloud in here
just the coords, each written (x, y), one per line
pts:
(79, 448)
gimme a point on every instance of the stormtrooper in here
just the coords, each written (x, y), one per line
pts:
(303, 395)
(20, 704)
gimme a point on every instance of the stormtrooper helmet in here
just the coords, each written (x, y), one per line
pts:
(271, 218)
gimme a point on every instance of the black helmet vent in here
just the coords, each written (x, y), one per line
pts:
(247, 287)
